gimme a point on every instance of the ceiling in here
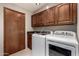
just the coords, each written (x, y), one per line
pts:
(31, 6)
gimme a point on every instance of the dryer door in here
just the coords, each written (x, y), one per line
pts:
(59, 49)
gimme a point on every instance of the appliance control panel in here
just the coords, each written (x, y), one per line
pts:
(65, 33)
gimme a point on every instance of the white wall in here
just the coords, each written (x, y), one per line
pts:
(45, 7)
(1, 30)
(78, 21)
(17, 8)
(61, 27)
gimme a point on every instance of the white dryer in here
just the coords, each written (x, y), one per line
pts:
(62, 43)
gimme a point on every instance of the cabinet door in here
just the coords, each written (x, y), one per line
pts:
(21, 30)
(74, 12)
(29, 40)
(44, 17)
(39, 19)
(64, 14)
(34, 20)
(50, 16)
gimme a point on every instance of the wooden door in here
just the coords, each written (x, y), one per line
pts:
(64, 13)
(14, 31)
(21, 30)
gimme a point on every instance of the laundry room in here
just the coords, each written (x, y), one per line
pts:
(39, 29)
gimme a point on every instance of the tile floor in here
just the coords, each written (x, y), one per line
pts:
(25, 52)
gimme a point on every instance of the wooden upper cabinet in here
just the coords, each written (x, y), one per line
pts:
(50, 16)
(64, 14)
(34, 20)
(44, 17)
(74, 15)
(39, 19)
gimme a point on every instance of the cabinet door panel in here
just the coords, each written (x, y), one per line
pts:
(64, 12)
(50, 16)
(44, 17)
(34, 20)
(21, 31)
(74, 12)
(41, 19)
(29, 40)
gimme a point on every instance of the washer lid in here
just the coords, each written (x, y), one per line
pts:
(65, 33)
(62, 39)
(38, 35)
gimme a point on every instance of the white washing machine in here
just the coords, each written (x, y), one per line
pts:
(62, 43)
(38, 45)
